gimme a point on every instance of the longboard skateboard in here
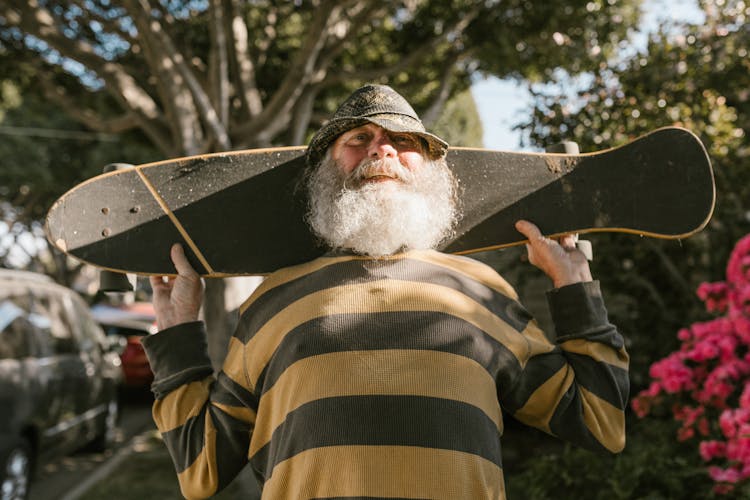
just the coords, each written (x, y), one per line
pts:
(239, 213)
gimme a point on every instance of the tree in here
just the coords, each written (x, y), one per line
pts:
(689, 75)
(42, 154)
(198, 76)
(694, 76)
(459, 123)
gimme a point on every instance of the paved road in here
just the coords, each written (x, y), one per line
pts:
(56, 478)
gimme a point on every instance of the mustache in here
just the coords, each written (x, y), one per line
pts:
(369, 168)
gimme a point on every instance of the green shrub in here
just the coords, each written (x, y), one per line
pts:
(654, 466)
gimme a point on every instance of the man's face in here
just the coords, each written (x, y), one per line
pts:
(371, 142)
(375, 193)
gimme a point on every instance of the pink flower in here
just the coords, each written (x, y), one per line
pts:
(685, 433)
(684, 334)
(673, 374)
(729, 475)
(715, 390)
(704, 427)
(654, 389)
(723, 488)
(714, 295)
(741, 327)
(707, 380)
(726, 423)
(710, 450)
(703, 351)
(738, 267)
(688, 415)
(739, 300)
(640, 406)
(738, 451)
(734, 421)
(726, 345)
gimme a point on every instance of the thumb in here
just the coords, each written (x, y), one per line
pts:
(180, 261)
(528, 229)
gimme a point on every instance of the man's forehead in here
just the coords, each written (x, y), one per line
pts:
(366, 126)
(371, 127)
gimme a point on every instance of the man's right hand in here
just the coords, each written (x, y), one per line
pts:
(177, 299)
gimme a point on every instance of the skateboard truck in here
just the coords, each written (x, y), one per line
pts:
(571, 148)
(112, 281)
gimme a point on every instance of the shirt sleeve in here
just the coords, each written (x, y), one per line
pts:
(576, 388)
(206, 421)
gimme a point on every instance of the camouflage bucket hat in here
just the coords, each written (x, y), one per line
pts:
(378, 104)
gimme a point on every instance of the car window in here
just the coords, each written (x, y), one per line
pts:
(44, 341)
(48, 308)
(16, 331)
(91, 334)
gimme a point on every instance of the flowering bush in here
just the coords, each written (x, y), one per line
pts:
(707, 381)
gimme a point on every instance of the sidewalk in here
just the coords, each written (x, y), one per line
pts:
(143, 470)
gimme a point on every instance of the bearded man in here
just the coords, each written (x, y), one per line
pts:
(382, 369)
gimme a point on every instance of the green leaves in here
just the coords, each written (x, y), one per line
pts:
(688, 75)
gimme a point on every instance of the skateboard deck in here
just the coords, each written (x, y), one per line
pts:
(239, 213)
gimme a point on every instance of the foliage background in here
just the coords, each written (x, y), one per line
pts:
(696, 76)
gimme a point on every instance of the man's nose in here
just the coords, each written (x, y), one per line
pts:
(382, 147)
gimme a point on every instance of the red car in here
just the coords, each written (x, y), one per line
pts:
(130, 322)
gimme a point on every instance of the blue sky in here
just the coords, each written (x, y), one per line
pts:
(502, 103)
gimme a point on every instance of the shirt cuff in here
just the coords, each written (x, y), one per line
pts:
(177, 355)
(578, 310)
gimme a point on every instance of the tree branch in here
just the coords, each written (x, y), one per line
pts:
(181, 110)
(363, 12)
(88, 116)
(302, 115)
(432, 113)
(421, 52)
(652, 290)
(166, 75)
(671, 268)
(200, 99)
(270, 31)
(110, 23)
(218, 65)
(39, 22)
(247, 89)
(277, 113)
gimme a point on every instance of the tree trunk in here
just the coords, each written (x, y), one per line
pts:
(217, 321)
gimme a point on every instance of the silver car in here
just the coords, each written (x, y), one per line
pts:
(59, 376)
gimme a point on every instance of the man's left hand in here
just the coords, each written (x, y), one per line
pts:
(559, 259)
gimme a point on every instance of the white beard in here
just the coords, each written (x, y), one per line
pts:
(380, 219)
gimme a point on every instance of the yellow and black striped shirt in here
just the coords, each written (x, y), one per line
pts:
(352, 377)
